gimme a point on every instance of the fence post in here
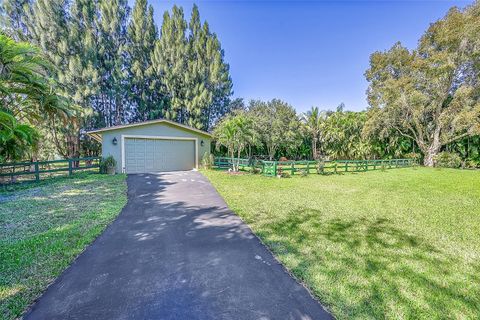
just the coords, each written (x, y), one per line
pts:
(274, 168)
(293, 168)
(70, 170)
(308, 167)
(37, 172)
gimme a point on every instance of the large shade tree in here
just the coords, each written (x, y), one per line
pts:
(431, 94)
(276, 125)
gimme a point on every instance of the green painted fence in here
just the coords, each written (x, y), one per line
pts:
(35, 171)
(243, 164)
(274, 168)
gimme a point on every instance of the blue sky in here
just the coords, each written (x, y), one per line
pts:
(309, 53)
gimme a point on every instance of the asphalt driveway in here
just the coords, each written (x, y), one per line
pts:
(176, 252)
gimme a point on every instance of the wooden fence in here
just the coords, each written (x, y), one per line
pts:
(35, 171)
(274, 168)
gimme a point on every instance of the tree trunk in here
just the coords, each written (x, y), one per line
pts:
(271, 153)
(238, 159)
(232, 156)
(431, 153)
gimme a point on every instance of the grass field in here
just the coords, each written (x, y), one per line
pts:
(396, 244)
(43, 228)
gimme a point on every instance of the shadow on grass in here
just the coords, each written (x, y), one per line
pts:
(370, 268)
(179, 254)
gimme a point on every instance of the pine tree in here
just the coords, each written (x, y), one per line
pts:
(144, 87)
(220, 83)
(112, 54)
(48, 26)
(169, 62)
(209, 85)
(13, 18)
(198, 73)
(194, 76)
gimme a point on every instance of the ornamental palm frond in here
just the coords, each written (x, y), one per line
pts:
(26, 89)
(16, 140)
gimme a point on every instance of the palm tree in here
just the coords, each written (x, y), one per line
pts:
(235, 132)
(26, 88)
(312, 121)
(27, 96)
(15, 139)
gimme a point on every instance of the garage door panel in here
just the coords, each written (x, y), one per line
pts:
(155, 155)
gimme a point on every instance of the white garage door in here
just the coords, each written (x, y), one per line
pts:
(156, 155)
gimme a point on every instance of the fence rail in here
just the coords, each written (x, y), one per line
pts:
(274, 168)
(14, 171)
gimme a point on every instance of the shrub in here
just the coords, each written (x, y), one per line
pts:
(207, 160)
(471, 164)
(321, 167)
(414, 156)
(448, 160)
(108, 162)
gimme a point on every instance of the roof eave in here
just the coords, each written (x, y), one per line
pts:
(99, 131)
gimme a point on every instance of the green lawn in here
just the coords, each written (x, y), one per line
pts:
(396, 244)
(43, 228)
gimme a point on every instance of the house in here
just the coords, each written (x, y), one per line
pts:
(153, 146)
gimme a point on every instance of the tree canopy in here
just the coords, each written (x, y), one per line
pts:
(431, 94)
(116, 67)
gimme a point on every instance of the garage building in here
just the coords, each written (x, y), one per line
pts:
(153, 146)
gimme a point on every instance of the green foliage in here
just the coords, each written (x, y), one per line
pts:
(448, 160)
(144, 86)
(17, 141)
(26, 90)
(207, 160)
(27, 97)
(190, 62)
(342, 136)
(401, 244)
(320, 167)
(313, 121)
(413, 155)
(106, 163)
(430, 94)
(235, 132)
(471, 164)
(276, 125)
(114, 69)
